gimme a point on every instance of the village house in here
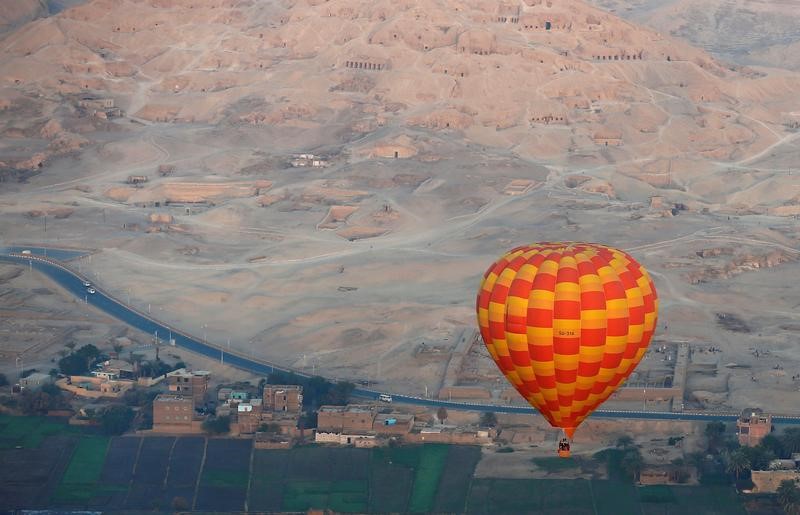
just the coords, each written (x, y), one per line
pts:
(353, 418)
(175, 413)
(194, 383)
(95, 387)
(283, 398)
(308, 161)
(35, 380)
(100, 107)
(752, 426)
(768, 481)
(279, 408)
(607, 138)
(114, 369)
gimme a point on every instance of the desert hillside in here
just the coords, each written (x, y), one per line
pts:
(749, 32)
(324, 182)
(579, 77)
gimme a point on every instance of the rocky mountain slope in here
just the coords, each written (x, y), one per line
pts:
(557, 81)
(751, 32)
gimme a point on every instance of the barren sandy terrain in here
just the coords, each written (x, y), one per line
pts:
(751, 32)
(447, 138)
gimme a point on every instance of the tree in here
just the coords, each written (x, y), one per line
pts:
(632, 462)
(117, 348)
(791, 440)
(339, 395)
(441, 414)
(3, 380)
(698, 460)
(39, 402)
(217, 426)
(70, 346)
(51, 390)
(759, 457)
(789, 496)
(269, 428)
(774, 445)
(73, 365)
(714, 433)
(737, 462)
(88, 352)
(116, 419)
(315, 390)
(307, 420)
(488, 419)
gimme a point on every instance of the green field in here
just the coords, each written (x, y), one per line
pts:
(340, 496)
(401, 479)
(28, 432)
(426, 477)
(601, 497)
(233, 478)
(79, 482)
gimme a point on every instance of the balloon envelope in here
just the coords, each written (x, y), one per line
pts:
(566, 323)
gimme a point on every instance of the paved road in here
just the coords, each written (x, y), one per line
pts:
(73, 282)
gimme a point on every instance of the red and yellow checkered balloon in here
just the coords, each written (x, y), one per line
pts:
(566, 323)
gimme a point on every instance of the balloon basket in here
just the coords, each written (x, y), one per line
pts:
(564, 453)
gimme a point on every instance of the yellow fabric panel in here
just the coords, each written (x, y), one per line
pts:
(606, 374)
(585, 383)
(566, 361)
(501, 346)
(543, 369)
(550, 394)
(516, 306)
(541, 335)
(549, 267)
(497, 312)
(591, 354)
(517, 342)
(616, 344)
(525, 373)
(568, 291)
(589, 315)
(542, 296)
(513, 378)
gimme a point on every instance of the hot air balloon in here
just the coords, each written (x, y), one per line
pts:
(566, 323)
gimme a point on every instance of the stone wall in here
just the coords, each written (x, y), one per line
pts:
(768, 481)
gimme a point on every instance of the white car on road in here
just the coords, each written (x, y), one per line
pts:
(91, 290)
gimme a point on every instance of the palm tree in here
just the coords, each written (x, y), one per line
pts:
(441, 414)
(791, 440)
(789, 496)
(737, 462)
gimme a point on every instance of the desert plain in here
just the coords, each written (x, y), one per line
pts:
(323, 184)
